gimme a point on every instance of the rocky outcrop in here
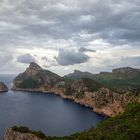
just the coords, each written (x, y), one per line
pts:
(14, 135)
(3, 87)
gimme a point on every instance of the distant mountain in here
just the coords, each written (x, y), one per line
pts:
(121, 73)
(3, 87)
(120, 79)
(78, 74)
(126, 72)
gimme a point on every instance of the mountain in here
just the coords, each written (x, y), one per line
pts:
(3, 87)
(126, 72)
(125, 126)
(78, 74)
(35, 77)
(122, 80)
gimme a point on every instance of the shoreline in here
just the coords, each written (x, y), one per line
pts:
(70, 98)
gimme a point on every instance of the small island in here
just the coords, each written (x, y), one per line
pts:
(3, 87)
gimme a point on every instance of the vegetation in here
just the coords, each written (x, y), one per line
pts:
(28, 83)
(113, 82)
(126, 126)
(92, 85)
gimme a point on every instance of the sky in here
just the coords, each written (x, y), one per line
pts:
(64, 35)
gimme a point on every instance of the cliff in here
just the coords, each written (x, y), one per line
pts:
(3, 87)
(85, 91)
(11, 134)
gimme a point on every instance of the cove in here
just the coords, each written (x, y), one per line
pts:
(48, 113)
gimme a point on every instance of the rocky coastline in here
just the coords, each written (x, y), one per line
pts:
(109, 110)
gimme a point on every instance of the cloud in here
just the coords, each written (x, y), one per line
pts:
(130, 61)
(26, 58)
(44, 58)
(86, 50)
(44, 27)
(71, 57)
(114, 21)
(4, 59)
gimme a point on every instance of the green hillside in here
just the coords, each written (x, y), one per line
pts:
(120, 85)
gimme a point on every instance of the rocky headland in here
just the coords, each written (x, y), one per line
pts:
(84, 91)
(3, 87)
(11, 134)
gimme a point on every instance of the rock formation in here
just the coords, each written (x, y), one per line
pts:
(3, 87)
(14, 135)
(35, 77)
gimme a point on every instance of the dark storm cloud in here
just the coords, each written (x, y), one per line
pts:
(70, 57)
(114, 21)
(81, 25)
(86, 50)
(26, 58)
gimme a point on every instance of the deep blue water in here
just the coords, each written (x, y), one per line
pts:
(46, 112)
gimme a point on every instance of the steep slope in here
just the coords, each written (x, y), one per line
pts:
(3, 87)
(34, 78)
(126, 126)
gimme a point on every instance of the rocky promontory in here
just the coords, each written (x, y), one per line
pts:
(11, 134)
(84, 91)
(3, 87)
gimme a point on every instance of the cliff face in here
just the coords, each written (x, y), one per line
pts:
(3, 87)
(84, 91)
(14, 135)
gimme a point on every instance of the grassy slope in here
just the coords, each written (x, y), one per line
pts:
(123, 127)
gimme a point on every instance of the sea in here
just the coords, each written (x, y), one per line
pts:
(48, 113)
